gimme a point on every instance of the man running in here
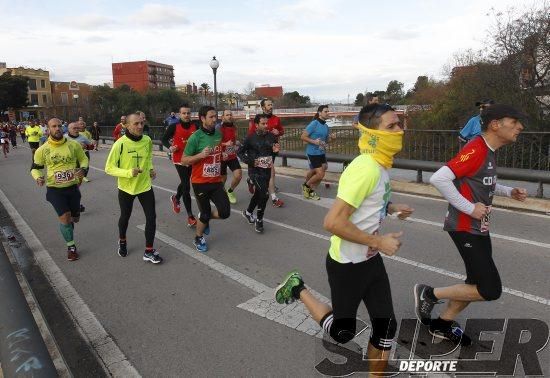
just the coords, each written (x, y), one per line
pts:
(33, 132)
(354, 265)
(257, 151)
(120, 128)
(469, 182)
(65, 162)
(204, 152)
(131, 160)
(273, 126)
(175, 139)
(74, 133)
(317, 136)
(229, 154)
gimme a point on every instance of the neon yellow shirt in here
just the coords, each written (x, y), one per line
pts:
(127, 154)
(60, 158)
(365, 185)
(33, 133)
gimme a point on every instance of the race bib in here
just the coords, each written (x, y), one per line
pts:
(211, 170)
(263, 162)
(61, 177)
(486, 221)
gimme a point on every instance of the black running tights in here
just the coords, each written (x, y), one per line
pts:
(147, 201)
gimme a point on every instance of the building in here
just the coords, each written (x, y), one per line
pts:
(143, 75)
(267, 91)
(188, 88)
(70, 99)
(39, 98)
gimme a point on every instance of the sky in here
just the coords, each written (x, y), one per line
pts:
(325, 49)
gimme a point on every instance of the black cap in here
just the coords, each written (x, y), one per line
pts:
(499, 111)
(485, 101)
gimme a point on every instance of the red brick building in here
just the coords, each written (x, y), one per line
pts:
(143, 75)
(70, 99)
(268, 91)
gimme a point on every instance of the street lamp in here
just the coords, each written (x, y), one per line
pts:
(214, 64)
(75, 98)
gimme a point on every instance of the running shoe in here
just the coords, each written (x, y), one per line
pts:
(287, 291)
(232, 197)
(191, 221)
(152, 256)
(176, 207)
(200, 244)
(313, 195)
(305, 191)
(250, 185)
(277, 202)
(250, 218)
(259, 226)
(423, 304)
(122, 250)
(72, 254)
(85, 179)
(453, 333)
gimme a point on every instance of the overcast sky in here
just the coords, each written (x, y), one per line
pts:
(323, 48)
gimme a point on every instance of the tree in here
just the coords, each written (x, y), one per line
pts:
(205, 88)
(359, 99)
(293, 100)
(13, 91)
(394, 92)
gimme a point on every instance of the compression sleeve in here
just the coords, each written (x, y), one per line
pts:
(443, 181)
(503, 190)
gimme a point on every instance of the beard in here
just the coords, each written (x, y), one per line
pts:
(57, 135)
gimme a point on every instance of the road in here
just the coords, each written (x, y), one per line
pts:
(209, 315)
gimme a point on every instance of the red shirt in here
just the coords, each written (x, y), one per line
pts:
(181, 135)
(229, 133)
(118, 131)
(273, 123)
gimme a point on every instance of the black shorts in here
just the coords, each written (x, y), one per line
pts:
(476, 252)
(232, 164)
(204, 193)
(65, 200)
(34, 145)
(316, 161)
(368, 282)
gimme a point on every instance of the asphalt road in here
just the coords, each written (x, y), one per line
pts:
(182, 317)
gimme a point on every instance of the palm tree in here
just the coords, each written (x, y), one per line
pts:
(205, 88)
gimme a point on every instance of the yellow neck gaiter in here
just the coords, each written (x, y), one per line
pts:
(382, 145)
(56, 142)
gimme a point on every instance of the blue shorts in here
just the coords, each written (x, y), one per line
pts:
(65, 200)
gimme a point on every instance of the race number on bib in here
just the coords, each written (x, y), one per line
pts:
(211, 170)
(61, 177)
(263, 162)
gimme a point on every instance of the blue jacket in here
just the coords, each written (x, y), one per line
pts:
(471, 129)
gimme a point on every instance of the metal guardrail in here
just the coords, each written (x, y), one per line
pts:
(23, 352)
(519, 174)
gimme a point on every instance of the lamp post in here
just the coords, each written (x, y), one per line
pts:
(214, 64)
(75, 98)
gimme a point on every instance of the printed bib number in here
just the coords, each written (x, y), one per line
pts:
(61, 177)
(263, 162)
(486, 221)
(211, 170)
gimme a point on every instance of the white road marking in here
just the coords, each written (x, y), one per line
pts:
(327, 203)
(403, 260)
(114, 361)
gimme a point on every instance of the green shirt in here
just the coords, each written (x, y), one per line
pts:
(127, 154)
(207, 170)
(60, 158)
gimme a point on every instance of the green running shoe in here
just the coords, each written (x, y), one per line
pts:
(313, 195)
(284, 293)
(305, 191)
(232, 197)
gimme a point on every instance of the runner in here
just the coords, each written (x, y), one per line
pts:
(131, 160)
(94, 131)
(65, 162)
(317, 136)
(175, 139)
(21, 127)
(229, 154)
(75, 134)
(33, 132)
(4, 140)
(13, 135)
(469, 182)
(354, 266)
(120, 128)
(273, 126)
(203, 152)
(257, 151)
